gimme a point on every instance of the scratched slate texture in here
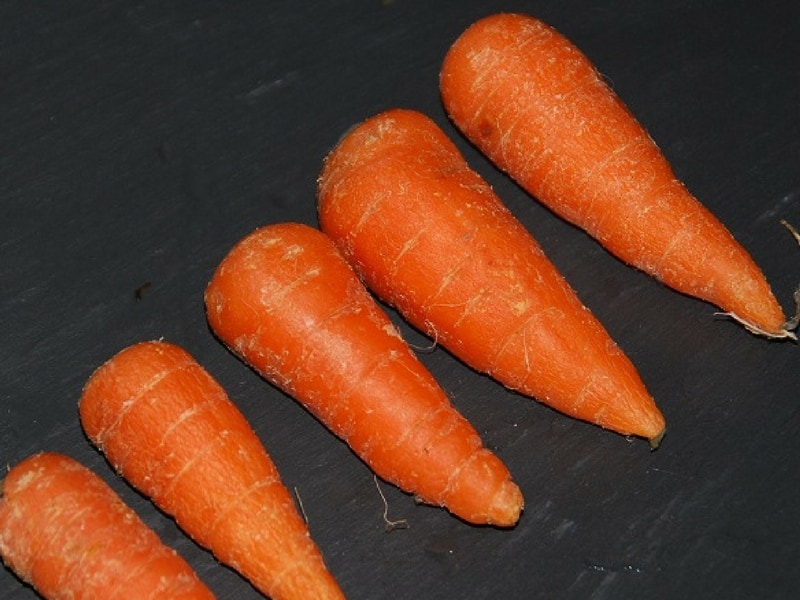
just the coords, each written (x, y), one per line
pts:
(140, 141)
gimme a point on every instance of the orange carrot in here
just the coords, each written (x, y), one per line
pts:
(430, 237)
(69, 535)
(286, 302)
(169, 428)
(536, 106)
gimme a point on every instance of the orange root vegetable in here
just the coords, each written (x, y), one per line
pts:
(536, 106)
(286, 302)
(430, 237)
(67, 533)
(170, 429)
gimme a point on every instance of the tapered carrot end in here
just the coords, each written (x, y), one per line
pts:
(653, 427)
(787, 331)
(655, 441)
(639, 418)
(483, 493)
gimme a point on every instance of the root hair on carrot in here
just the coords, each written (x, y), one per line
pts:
(389, 525)
(784, 333)
(792, 230)
(300, 504)
(425, 349)
(791, 324)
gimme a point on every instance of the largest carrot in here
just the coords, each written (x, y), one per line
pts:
(428, 235)
(536, 106)
(171, 430)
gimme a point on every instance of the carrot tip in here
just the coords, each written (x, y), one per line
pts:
(655, 441)
(507, 507)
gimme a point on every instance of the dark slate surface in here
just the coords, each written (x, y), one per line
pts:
(140, 141)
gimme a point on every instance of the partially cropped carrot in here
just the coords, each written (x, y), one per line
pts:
(170, 429)
(286, 302)
(536, 106)
(68, 534)
(429, 236)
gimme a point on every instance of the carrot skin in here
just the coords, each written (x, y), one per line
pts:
(430, 237)
(68, 534)
(286, 302)
(537, 108)
(170, 429)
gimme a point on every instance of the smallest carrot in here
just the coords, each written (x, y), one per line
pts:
(68, 534)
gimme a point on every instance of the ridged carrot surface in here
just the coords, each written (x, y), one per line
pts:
(286, 302)
(429, 236)
(68, 534)
(170, 429)
(537, 107)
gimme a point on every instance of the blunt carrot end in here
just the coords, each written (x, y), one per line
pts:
(507, 506)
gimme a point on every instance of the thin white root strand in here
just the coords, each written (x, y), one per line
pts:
(300, 505)
(434, 343)
(792, 323)
(792, 230)
(424, 349)
(389, 524)
(784, 333)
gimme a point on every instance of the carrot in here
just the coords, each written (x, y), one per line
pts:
(286, 302)
(169, 428)
(429, 236)
(67, 533)
(536, 106)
